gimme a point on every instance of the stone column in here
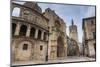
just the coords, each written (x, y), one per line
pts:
(42, 35)
(36, 33)
(12, 8)
(17, 30)
(28, 31)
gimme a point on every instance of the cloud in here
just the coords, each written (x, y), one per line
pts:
(90, 12)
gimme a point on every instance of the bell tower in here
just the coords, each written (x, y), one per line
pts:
(73, 31)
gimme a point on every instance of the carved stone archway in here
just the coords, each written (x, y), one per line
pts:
(60, 47)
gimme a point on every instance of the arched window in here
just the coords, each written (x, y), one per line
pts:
(92, 22)
(25, 46)
(23, 30)
(32, 32)
(41, 47)
(39, 34)
(45, 34)
(13, 28)
(57, 24)
(16, 12)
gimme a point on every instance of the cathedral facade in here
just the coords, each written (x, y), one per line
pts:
(57, 38)
(29, 33)
(37, 36)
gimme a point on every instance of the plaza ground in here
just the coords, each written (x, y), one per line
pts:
(68, 59)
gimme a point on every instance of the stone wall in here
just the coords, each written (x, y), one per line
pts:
(89, 32)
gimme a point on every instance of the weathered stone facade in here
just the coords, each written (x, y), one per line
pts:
(37, 36)
(80, 48)
(29, 34)
(72, 47)
(57, 37)
(89, 33)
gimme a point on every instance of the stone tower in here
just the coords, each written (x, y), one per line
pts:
(73, 31)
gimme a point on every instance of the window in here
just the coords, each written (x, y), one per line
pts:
(45, 34)
(23, 30)
(41, 47)
(48, 27)
(25, 46)
(57, 24)
(32, 32)
(39, 34)
(16, 12)
(92, 22)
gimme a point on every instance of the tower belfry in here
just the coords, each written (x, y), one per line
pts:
(73, 34)
(73, 31)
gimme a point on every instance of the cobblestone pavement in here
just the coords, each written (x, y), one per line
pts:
(59, 60)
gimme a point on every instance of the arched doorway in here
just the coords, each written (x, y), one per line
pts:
(60, 47)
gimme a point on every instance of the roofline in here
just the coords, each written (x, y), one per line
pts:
(31, 9)
(89, 17)
(86, 19)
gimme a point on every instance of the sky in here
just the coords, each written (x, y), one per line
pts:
(68, 12)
